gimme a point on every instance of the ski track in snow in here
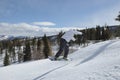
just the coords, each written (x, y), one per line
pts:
(41, 77)
(100, 50)
(95, 54)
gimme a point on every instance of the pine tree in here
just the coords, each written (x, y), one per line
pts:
(117, 32)
(88, 34)
(107, 33)
(93, 32)
(27, 52)
(103, 37)
(84, 37)
(118, 17)
(39, 54)
(39, 44)
(10, 47)
(98, 33)
(34, 41)
(6, 59)
(19, 51)
(47, 48)
(1, 49)
(34, 44)
(13, 54)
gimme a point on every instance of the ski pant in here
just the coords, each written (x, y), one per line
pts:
(63, 47)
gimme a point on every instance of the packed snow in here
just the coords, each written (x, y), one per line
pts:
(100, 61)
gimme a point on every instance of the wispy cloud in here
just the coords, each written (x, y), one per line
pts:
(44, 23)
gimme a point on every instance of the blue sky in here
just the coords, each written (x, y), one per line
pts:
(60, 13)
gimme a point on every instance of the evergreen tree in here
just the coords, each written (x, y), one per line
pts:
(19, 51)
(34, 48)
(93, 32)
(34, 44)
(39, 44)
(88, 34)
(117, 32)
(20, 55)
(27, 52)
(1, 49)
(107, 33)
(98, 33)
(118, 17)
(103, 37)
(10, 47)
(39, 54)
(84, 37)
(6, 59)
(47, 48)
(13, 54)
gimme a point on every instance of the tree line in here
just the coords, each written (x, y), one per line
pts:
(21, 50)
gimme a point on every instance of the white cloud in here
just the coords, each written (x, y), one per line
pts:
(44, 23)
(25, 29)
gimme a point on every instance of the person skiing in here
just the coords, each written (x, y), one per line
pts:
(64, 43)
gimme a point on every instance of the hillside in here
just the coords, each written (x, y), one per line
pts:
(100, 61)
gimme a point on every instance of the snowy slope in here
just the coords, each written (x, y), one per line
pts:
(99, 61)
(3, 37)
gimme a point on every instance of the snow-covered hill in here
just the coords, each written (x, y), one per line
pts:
(99, 61)
(9, 37)
(3, 37)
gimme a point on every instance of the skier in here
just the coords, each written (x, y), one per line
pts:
(64, 43)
